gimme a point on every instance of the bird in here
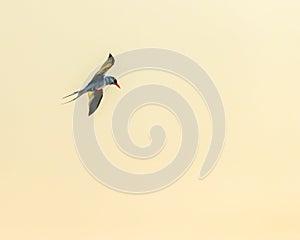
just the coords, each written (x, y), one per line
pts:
(95, 87)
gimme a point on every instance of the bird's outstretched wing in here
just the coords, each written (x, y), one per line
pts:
(94, 100)
(107, 65)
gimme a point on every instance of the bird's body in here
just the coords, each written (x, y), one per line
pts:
(96, 85)
(99, 82)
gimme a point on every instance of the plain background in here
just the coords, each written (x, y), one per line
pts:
(251, 51)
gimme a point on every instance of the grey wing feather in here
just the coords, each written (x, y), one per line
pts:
(94, 100)
(107, 65)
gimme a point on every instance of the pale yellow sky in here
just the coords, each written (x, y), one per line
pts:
(251, 51)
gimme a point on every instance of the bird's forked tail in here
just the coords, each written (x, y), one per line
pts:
(79, 93)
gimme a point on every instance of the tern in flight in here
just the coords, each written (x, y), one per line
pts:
(96, 85)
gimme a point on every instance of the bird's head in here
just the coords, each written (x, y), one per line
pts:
(113, 81)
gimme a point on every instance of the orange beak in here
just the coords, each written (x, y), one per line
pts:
(117, 85)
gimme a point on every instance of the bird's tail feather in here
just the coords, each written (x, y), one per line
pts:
(70, 95)
(79, 93)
